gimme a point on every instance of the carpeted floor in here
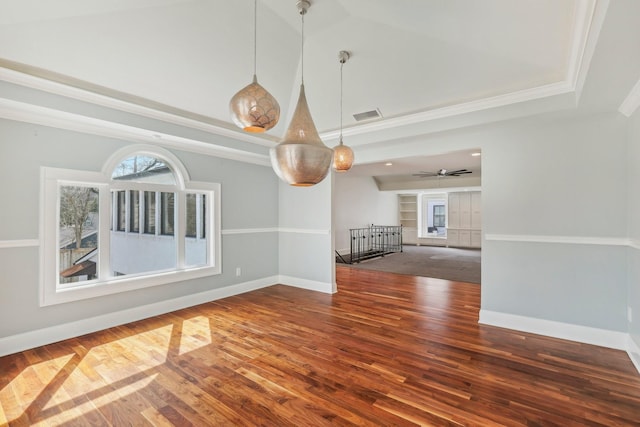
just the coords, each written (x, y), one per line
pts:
(462, 265)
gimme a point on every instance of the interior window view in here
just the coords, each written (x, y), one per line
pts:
(303, 213)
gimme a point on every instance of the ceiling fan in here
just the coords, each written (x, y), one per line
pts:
(442, 172)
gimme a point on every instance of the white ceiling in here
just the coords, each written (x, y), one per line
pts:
(416, 61)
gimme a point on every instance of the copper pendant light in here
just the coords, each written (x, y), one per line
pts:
(301, 159)
(342, 154)
(253, 108)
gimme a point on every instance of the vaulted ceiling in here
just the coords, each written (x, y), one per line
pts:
(426, 66)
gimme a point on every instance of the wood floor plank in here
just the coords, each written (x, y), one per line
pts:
(385, 350)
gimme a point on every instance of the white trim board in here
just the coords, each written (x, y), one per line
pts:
(575, 240)
(249, 230)
(109, 99)
(32, 339)
(29, 113)
(631, 102)
(22, 243)
(312, 285)
(633, 350)
(303, 230)
(566, 331)
(274, 230)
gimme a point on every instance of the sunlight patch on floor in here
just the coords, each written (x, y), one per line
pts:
(78, 410)
(105, 365)
(22, 391)
(196, 333)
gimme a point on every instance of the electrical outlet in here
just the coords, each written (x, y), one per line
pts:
(238, 271)
(629, 314)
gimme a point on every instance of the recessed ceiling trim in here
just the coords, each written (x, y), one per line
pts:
(631, 102)
(589, 19)
(29, 113)
(30, 78)
(457, 109)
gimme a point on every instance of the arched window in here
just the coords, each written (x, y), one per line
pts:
(141, 222)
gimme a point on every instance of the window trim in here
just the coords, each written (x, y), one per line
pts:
(52, 178)
(424, 213)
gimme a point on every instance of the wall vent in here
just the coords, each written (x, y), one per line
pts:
(368, 115)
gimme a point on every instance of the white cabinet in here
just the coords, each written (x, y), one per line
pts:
(464, 221)
(465, 238)
(465, 211)
(476, 214)
(453, 237)
(476, 238)
(408, 214)
(454, 210)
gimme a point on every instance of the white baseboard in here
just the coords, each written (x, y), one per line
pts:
(566, 331)
(312, 285)
(32, 339)
(633, 350)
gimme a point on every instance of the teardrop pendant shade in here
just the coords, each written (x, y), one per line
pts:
(254, 109)
(342, 157)
(301, 159)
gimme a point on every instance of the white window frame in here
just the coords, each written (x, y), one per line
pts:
(423, 213)
(51, 292)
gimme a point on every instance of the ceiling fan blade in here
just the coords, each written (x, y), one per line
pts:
(458, 172)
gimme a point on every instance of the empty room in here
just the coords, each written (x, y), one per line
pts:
(179, 177)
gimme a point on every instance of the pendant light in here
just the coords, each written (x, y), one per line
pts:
(301, 159)
(253, 109)
(342, 154)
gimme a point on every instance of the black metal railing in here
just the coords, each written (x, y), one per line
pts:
(374, 241)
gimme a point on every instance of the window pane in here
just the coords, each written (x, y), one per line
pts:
(134, 211)
(167, 213)
(203, 217)
(143, 168)
(433, 216)
(121, 210)
(78, 234)
(195, 243)
(191, 215)
(438, 216)
(150, 212)
(135, 253)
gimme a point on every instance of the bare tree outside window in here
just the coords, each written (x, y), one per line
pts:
(78, 233)
(76, 206)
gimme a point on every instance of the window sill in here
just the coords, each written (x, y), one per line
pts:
(120, 284)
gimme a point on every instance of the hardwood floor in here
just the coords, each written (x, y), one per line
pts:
(385, 350)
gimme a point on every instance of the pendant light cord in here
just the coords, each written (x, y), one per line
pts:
(341, 65)
(255, 35)
(302, 51)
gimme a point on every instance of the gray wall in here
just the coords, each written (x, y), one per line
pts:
(358, 203)
(551, 178)
(633, 163)
(564, 178)
(306, 244)
(249, 201)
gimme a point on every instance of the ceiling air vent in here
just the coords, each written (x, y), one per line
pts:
(368, 115)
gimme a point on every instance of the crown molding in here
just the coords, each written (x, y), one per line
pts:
(456, 110)
(631, 102)
(29, 113)
(589, 17)
(36, 78)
